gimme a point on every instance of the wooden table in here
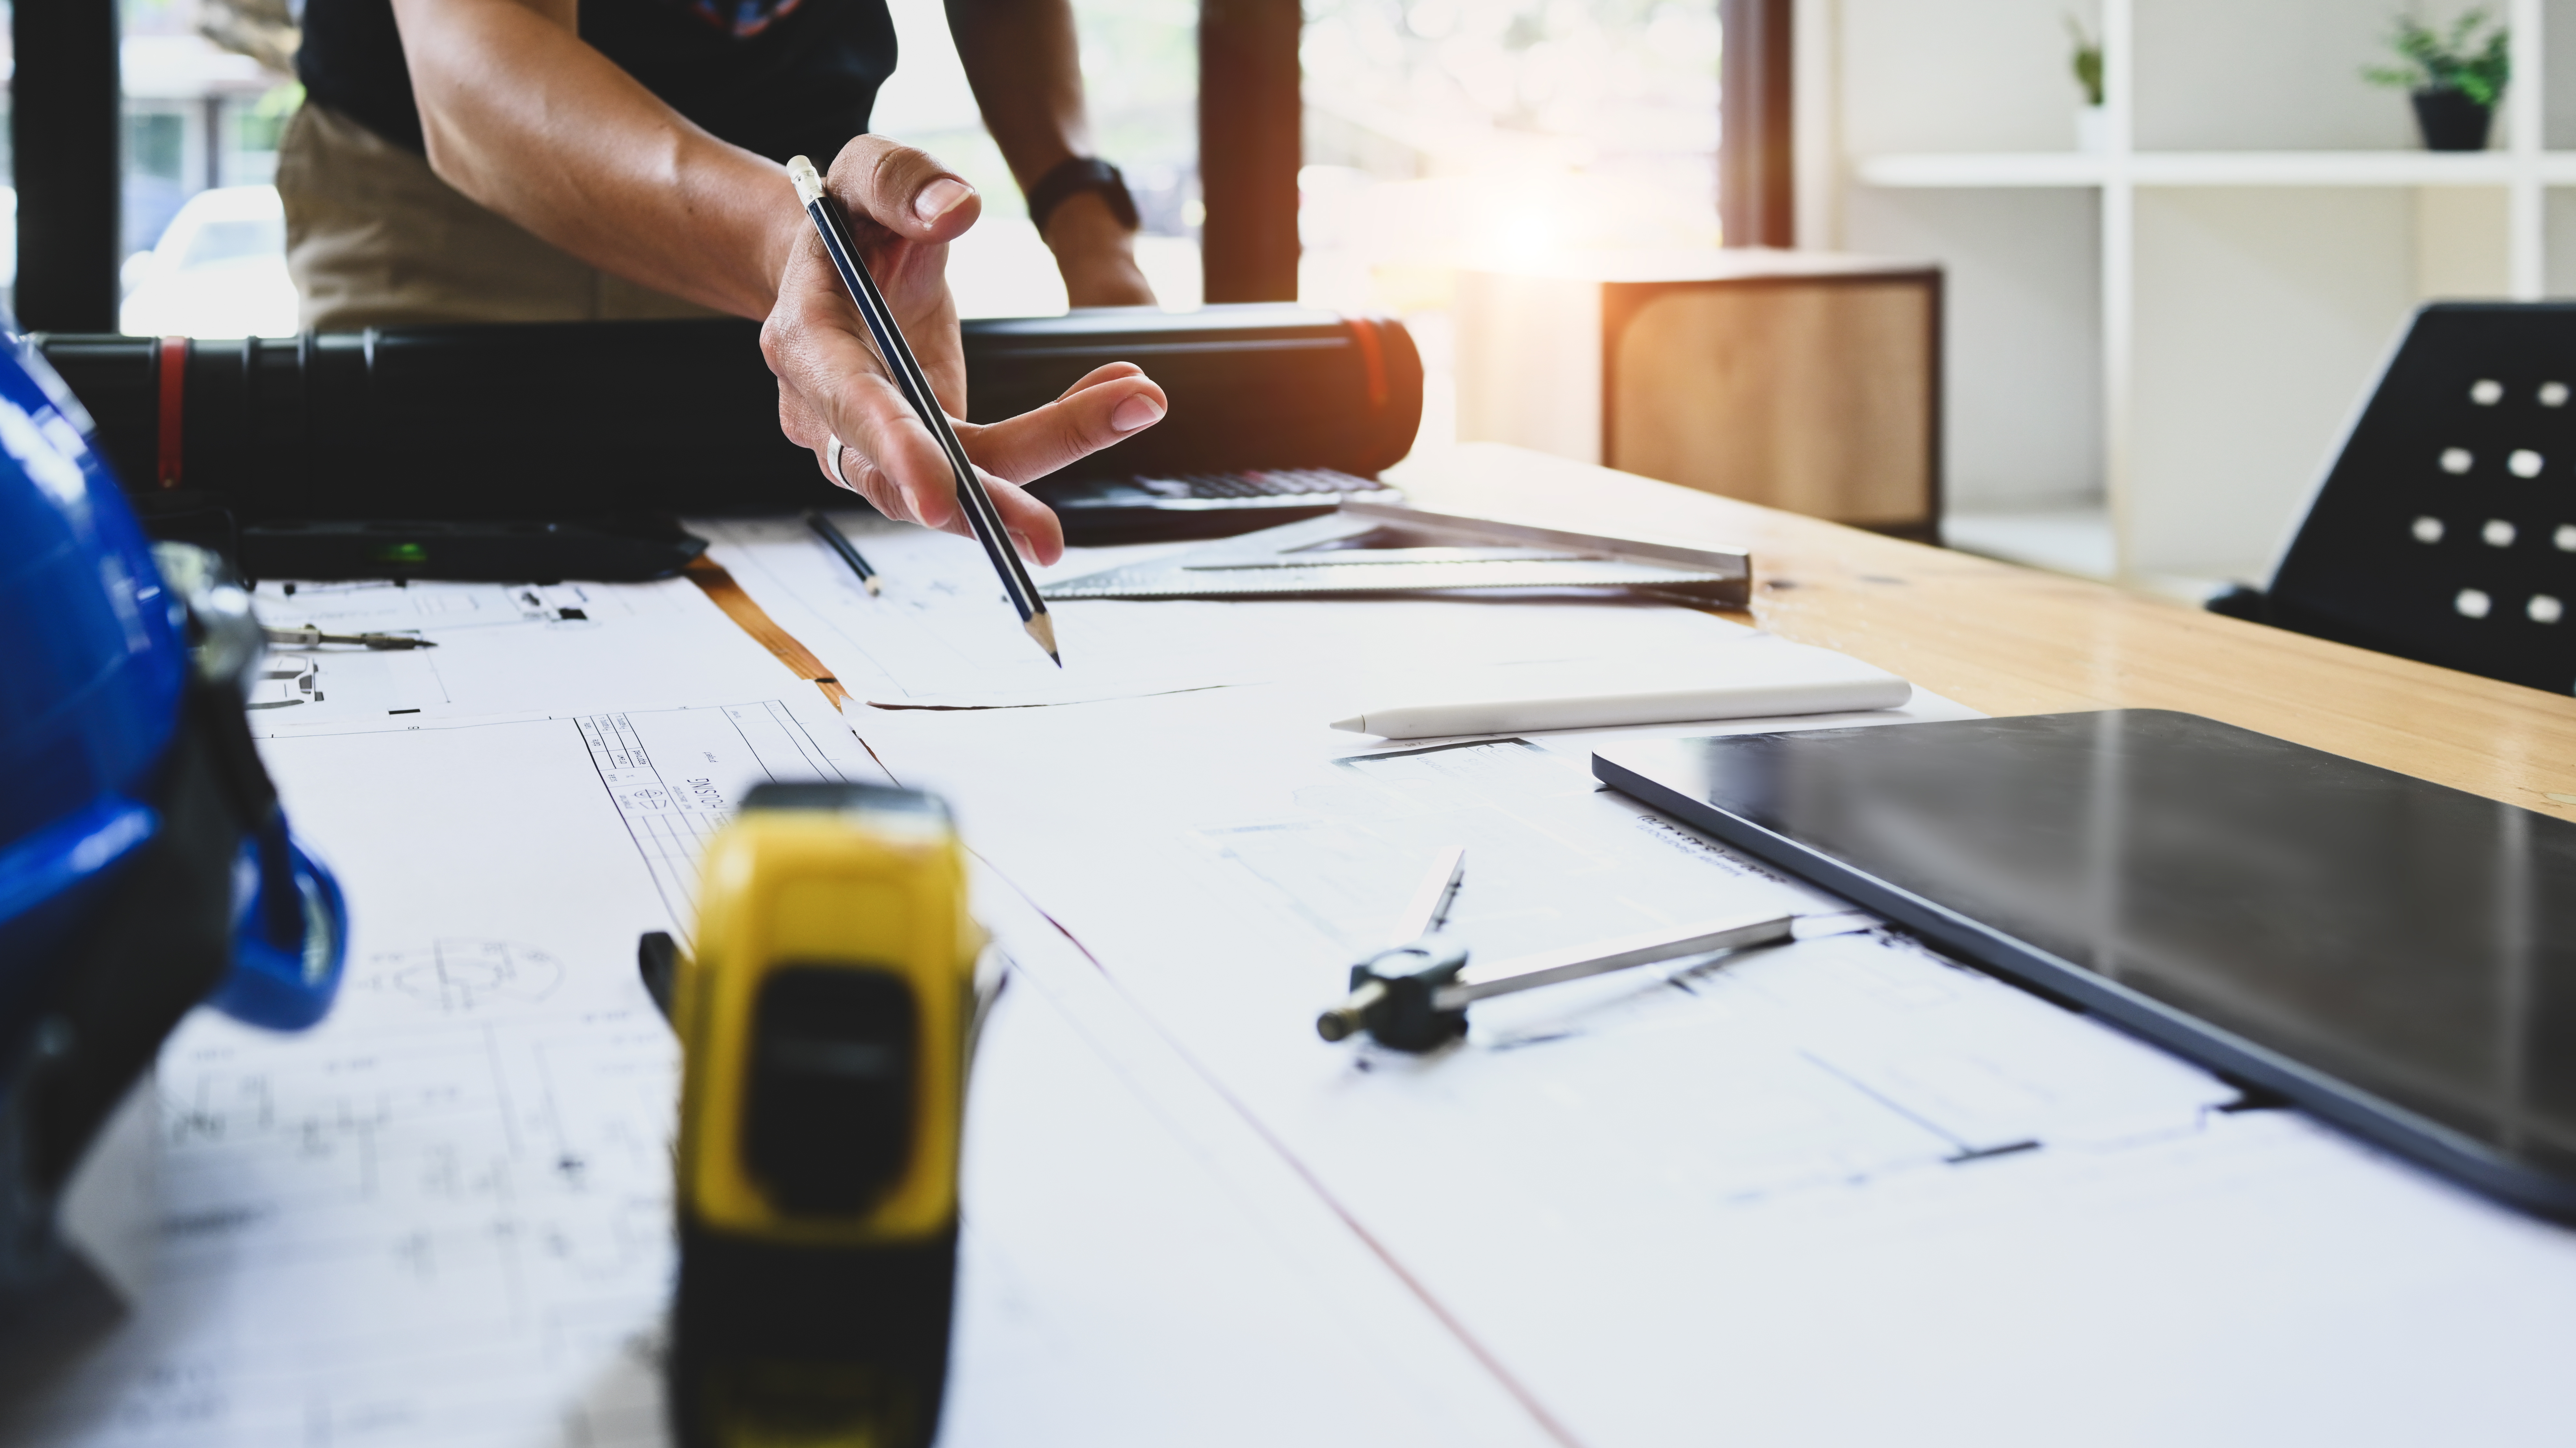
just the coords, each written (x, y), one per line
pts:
(2012, 640)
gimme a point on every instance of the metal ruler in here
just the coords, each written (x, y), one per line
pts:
(1376, 548)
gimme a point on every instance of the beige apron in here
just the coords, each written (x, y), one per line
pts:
(375, 239)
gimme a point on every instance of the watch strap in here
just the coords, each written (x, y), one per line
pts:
(1073, 177)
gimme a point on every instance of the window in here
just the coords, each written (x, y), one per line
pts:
(156, 179)
(1450, 133)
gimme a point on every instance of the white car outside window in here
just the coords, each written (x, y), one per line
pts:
(219, 270)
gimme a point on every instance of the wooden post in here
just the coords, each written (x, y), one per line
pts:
(63, 121)
(1757, 199)
(1251, 119)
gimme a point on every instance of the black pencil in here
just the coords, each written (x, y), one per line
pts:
(840, 543)
(897, 355)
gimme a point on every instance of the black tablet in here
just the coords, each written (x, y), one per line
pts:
(2397, 957)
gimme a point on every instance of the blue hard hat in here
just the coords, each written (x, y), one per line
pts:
(93, 658)
(95, 669)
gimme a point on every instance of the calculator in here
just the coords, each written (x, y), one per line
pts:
(1151, 509)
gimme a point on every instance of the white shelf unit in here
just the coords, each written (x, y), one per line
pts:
(2174, 326)
(2219, 168)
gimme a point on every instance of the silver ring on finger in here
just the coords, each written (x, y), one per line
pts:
(832, 461)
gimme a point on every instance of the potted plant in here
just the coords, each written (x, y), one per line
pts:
(2455, 79)
(2091, 130)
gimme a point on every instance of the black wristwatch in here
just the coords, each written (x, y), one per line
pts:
(1070, 179)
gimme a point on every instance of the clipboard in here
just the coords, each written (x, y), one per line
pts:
(1376, 549)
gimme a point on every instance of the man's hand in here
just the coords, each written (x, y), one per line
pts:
(521, 115)
(904, 208)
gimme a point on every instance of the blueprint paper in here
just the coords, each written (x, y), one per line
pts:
(443, 1217)
(1840, 1191)
(1142, 1267)
(501, 648)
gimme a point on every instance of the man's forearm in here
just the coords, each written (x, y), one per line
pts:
(1023, 61)
(1025, 66)
(529, 121)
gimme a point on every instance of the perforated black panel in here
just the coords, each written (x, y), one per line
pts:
(2447, 530)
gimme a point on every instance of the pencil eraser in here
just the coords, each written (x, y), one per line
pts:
(809, 182)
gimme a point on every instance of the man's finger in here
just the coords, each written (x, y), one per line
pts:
(796, 419)
(902, 459)
(838, 389)
(887, 456)
(1034, 528)
(1105, 372)
(903, 190)
(1082, 422)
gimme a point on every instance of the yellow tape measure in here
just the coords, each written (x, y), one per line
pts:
(825, 1024)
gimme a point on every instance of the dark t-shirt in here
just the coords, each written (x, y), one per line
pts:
(780, 77)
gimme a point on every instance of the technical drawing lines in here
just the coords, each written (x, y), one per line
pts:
(466, 975)
(674, 775)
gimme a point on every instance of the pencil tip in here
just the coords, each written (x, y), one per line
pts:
(1042, 629)
(1356, 724)
(874, 588)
